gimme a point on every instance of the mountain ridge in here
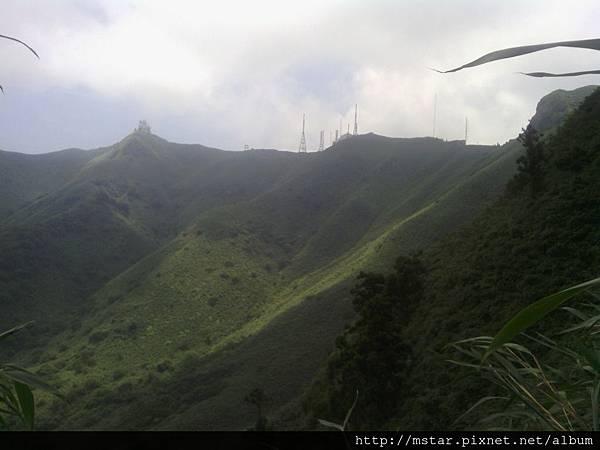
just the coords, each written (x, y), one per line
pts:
(175, 256)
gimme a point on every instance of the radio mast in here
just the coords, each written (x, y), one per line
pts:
(302, 148)
(434, 113)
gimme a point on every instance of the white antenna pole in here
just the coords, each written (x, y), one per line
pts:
(434, 113)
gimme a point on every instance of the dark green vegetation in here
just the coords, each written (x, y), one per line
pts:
(553, 108)
(371, 355)
(170, 281)
(562, 391)
(516, 251)
(17, 404)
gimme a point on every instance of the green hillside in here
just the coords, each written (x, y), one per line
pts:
(168, 280)
(24, 178)
(156, 252)
(517, 250)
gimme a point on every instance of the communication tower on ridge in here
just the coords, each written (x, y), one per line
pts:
(302, 148)
(355, 132)
(434, 113)
(322, 141)
(143, 127)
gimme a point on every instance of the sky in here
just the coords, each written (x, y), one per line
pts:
(233, 73)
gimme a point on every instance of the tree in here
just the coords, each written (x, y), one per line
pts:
(531, 164)
(258, 398)
(371, 355)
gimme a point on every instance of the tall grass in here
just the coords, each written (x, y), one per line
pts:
(17, 403)
(559, 391)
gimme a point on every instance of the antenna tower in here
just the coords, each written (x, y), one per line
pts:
(322, 141)
(434, 113)
(355, 120)
(302, 148)
(466, 129)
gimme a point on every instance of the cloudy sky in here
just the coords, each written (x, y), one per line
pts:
(228, 73)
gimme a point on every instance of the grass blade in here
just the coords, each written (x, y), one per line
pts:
(556, 75)
(26, 404)
(326, 423)
(595, 410)
(20, 42)
(20, 375)
(14, 330)
(530, 315)
(592, 44)
(349, 413)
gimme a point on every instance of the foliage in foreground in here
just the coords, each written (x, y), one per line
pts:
(591, 44)
(560, 391)
(516, 251)
(17, 404)
(10, 38)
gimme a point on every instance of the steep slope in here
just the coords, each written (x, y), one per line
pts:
(553, 109)
(227, 288)
(160, 267)
(24, 178)
(519, 249)
(124, 202)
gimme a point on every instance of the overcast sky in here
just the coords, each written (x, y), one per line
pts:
(228, 73)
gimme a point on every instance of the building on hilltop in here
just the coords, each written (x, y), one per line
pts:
(143, 127)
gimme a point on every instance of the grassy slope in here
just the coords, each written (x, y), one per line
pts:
(226, 289)
(236, 248)
(123, 203)
(516, 252)
(24, 178)
(457, 262)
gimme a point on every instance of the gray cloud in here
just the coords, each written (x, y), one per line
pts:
(232, 73)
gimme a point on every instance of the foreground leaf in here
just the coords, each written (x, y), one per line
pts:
(535, 312)
(14, 330)
(21, 375)
(26, 404)
(329, 424)
(555, 75)
(20, 42)
(592, 44)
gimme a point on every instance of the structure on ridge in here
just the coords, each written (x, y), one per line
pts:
(322, 141)
(466, 129)
(434, 113)
(143, 127)
(302, 148)
(355, 132)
